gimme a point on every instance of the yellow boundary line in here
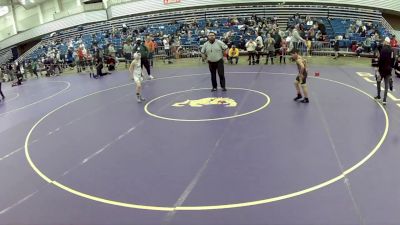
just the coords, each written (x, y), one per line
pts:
(212, 119)
(208, 207)
(41, 100)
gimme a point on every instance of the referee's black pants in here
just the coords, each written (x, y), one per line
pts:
(145, 62)
(1, 93)
(214, 67)
(386, 79)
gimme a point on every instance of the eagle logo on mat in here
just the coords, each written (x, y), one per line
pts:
(227, 102)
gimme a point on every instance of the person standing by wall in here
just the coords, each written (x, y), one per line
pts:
(296, 38)
(385, 64)
(269, 49)
(213, 52)
(151, 46)
(251, 49)
(336, 48)
(167, 49)
(127, 51)
(259, 47)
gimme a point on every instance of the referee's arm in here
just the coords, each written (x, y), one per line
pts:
(203, 51)
(223, 45)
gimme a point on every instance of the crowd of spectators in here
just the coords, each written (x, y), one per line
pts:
(258, 36)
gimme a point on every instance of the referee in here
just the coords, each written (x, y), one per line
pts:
(213, 52)
(385, 64)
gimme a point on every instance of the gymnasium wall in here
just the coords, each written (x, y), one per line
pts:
(116, 9)
(50, 20)
(7, 26)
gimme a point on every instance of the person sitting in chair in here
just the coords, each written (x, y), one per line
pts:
(233, 54)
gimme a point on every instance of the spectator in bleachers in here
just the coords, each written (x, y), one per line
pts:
(251, 50)
(393, 42)
(367, 45)
(296, 38)
(397, 67)
(80, 57)
(319, 36)
(144, 56)
(90, 64)
(301, 31)
(233, 54)
(178, 47)
(151, 46)
(111, 50)
(259, 47)
(353, 46)
(309, 47)
(35, 68)
(359, 22)
(203, 38)
(336, 47)
(18, 72)
(309, 21)
(124, 28)
(62, 60)
(110, 62)
(374, 41)
(57, 62)
(283, 51)
(296, 18)
(216, 24)
(280, 32)
(70, 56)
(113, 31)
(167, 48)
(50, 66)
(321, 29)
(363, 31)
(278, 39)
(359, 50)
(269, 48)
(127, 52)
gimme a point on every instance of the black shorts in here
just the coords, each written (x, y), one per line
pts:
(304, 81)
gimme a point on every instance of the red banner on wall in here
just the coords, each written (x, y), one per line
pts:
(166, 2)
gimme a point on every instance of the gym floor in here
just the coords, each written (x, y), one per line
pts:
(76, 150)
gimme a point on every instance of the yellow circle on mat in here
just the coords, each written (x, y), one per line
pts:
(207, 207)
(146, 107)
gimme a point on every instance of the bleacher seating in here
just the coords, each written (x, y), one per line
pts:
(5, 55)
(161, 23)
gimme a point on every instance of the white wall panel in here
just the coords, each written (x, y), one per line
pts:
(6, 31)
(144, 6)
(48, 10)
(71, 21)
(28, 22)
